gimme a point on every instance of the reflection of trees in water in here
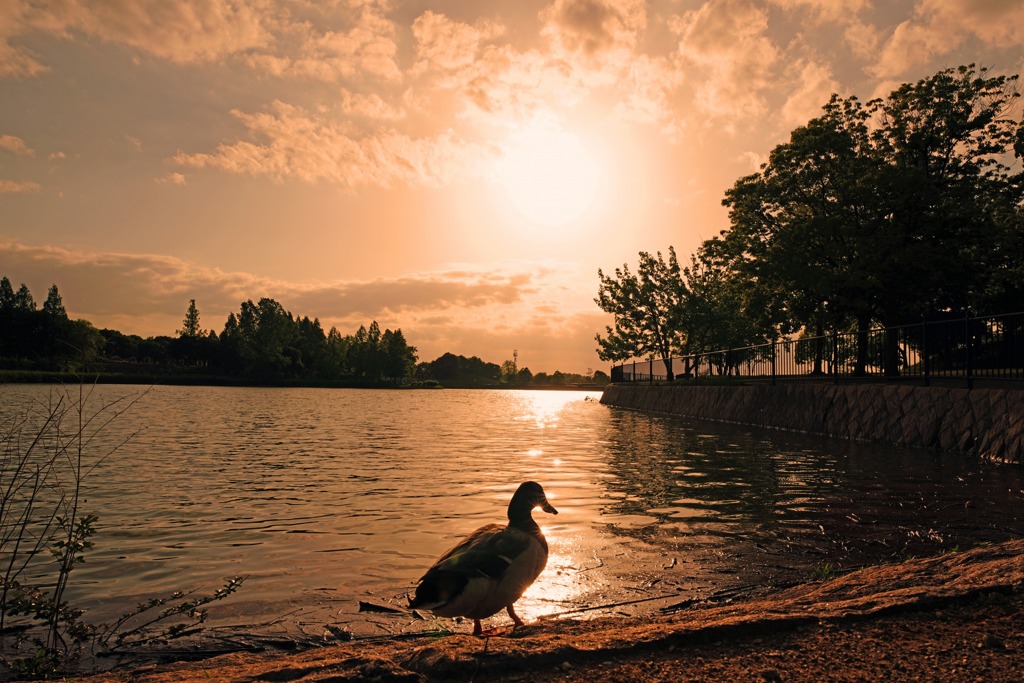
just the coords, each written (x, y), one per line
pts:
(667, 465)
(794, 494)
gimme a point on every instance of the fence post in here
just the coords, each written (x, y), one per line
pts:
(924, 353)
(970, 351)
(835, 356)
(773, 362)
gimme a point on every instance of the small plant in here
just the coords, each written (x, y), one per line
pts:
(45, 456)
(821, 571)
(144, 627)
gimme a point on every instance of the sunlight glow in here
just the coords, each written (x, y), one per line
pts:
(543, 408)
(548, 174)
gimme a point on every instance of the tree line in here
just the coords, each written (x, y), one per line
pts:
(896, 211)
(261, 343)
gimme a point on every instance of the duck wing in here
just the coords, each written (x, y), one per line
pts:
(489, 551)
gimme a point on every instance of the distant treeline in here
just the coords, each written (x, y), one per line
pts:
(262, 343)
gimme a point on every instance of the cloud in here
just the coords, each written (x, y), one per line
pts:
(18, 187)
(16, 61)
(262, 34)
(938, 27)
(369, 106)
(188, 31)
(814, 84)
(292, 143)
(172, 178)
(484, 311)
(729, 57)
(594, 27)
(648, 87)
(841, 11)
(364, 47)
(15, 145)
(444, 45)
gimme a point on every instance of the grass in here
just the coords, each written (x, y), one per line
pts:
(821, 571)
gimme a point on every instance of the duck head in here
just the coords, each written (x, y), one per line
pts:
(529, 495)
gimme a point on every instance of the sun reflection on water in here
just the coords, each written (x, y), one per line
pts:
(543, 408)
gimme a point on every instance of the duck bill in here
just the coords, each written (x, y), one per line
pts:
(548, 507)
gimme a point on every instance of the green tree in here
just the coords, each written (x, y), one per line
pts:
(647, 309)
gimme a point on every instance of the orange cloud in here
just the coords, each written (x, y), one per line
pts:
(365, 47)
(444, 45)
(729, 57)
(940, 26)
(472, 311)
(15, 145)
(592, 27)
(813, 84)
(294, 143)
(18, 186)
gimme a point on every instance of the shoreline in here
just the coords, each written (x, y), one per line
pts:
(47, 377)
(958, 616)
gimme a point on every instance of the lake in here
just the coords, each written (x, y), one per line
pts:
(327, 497)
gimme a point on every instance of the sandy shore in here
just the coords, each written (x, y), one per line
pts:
(958, 617)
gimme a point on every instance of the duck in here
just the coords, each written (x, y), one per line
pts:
(492, 567)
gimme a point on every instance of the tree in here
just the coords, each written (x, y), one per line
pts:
(312, 347)
(53, 307)
(23, 300)
(884, 212)
(261, 341)
(6, 295)
(398, 359)
(337, 352)
(945, 143)
(716, 313)
(647, 308)
(190, 325)
(510, 369)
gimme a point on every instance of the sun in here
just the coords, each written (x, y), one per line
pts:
(548, 174)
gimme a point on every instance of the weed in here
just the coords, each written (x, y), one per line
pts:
(45, 456)
(821, 571)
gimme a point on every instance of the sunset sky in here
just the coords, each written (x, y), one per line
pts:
(458, 169)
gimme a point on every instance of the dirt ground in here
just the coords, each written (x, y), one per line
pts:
(958, 617)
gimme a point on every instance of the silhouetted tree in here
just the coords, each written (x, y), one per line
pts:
(23, 300)
(190, 325)
(6, 294)
(885, 212)
(647, 309)
(398, 359)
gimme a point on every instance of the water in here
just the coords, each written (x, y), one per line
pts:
(325, 497)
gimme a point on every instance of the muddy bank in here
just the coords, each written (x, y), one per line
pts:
(981, 422)
(953, 617)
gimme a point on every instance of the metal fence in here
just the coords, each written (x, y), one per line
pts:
(963, 350)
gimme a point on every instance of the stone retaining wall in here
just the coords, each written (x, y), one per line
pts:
(987, 423)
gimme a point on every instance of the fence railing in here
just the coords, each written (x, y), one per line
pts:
(964, 349)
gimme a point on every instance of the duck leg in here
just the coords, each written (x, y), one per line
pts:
(515, 617)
